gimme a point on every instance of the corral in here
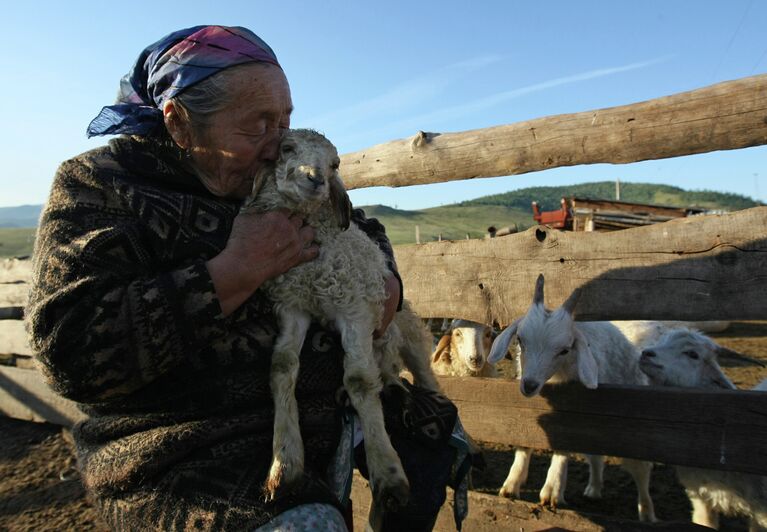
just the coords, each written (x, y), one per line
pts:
(701, 268)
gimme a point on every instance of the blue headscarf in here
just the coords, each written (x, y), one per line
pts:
(172, 64)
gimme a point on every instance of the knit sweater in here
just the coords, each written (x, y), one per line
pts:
(124, 319)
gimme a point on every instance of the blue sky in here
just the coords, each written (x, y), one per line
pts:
(365, 73)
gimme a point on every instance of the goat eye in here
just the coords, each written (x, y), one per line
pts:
(334, 166)
(563, 352)
(288, 148)
(692, 354)
(458, 333)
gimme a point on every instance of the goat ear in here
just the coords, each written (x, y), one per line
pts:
(538, 295)
(588, 371)
(569, 305)
(723, 353)
(502, 342)
(339, 199)
(443, 348)
(715, 376)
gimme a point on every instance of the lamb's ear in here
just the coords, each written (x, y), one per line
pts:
(443, 348)
(502, 342)
(713, 373)
(722, 353)
(538, 295)
(569, 305)
(588, 371)
(342, 206)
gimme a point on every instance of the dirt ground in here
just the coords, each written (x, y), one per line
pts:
(40, 492)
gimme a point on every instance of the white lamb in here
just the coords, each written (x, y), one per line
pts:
(343, 287)
(555, 348)
(463, 349)
(687, 358)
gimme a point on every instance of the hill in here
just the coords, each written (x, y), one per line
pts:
(21, 216)
(473, 217)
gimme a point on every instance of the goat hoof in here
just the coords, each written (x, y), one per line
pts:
(281, 477)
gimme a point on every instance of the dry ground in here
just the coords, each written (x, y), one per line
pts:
(33, 457)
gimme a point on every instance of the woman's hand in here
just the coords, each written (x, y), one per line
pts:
(260, 247)
(390, 306)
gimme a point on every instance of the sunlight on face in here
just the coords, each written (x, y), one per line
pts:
(244, 136)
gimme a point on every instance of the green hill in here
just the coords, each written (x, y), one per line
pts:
(473, 217)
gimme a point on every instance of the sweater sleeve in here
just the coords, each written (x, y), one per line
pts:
(104, 317)
(376, 231)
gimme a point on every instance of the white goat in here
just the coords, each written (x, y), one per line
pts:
(463, 349)
(555, 348)
(343, 287)
(687, 358)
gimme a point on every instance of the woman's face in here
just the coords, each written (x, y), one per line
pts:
(246, 134)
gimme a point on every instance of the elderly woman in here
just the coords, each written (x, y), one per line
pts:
(146, 308)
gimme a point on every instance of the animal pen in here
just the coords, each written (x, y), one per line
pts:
(698, 268)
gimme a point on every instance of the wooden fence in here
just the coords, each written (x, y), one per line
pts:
(698, 268)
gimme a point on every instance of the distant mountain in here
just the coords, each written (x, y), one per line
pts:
(21, 216)
(548, 197)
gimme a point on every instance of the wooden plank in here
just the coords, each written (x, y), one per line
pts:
(724, 116)
(24, 395)
(698, 268)
(714, 430)
(488, 513)
(13, 294)
(13, 270)
(13, 338)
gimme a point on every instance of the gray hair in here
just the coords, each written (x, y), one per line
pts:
(198, 103)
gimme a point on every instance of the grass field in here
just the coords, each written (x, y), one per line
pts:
(451, 222)
(16, 241)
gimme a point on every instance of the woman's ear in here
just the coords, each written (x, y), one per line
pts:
(176, 125)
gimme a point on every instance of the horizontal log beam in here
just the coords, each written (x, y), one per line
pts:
(698, 268)
(15, 270)
(13, 338)
(709, 429)
(25, 395)
(724, 116)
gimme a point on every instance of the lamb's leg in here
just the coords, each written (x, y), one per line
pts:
(363, 384)
(596, 476)
(641, 471)
(517, 473)
(553, 491)
(287, 445)
(702, 512)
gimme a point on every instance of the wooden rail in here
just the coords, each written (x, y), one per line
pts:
(697, 268)
(724, 116)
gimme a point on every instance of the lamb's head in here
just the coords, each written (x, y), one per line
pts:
(468, 341)
(684, 357)
(306, 174)
(549, 343)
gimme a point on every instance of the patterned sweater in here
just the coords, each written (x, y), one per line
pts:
(124, 320)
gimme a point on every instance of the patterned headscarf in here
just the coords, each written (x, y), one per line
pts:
(171, 65)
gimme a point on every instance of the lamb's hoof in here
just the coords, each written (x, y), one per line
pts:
(510, 492)
(592, 492)
(281, 477)
(392, 495)
(551, 498)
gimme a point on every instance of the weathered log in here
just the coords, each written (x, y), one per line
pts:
(724, 116)
(14, 294)
(24, 395)
(698, 268)
(13, 338)
(680, 426)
